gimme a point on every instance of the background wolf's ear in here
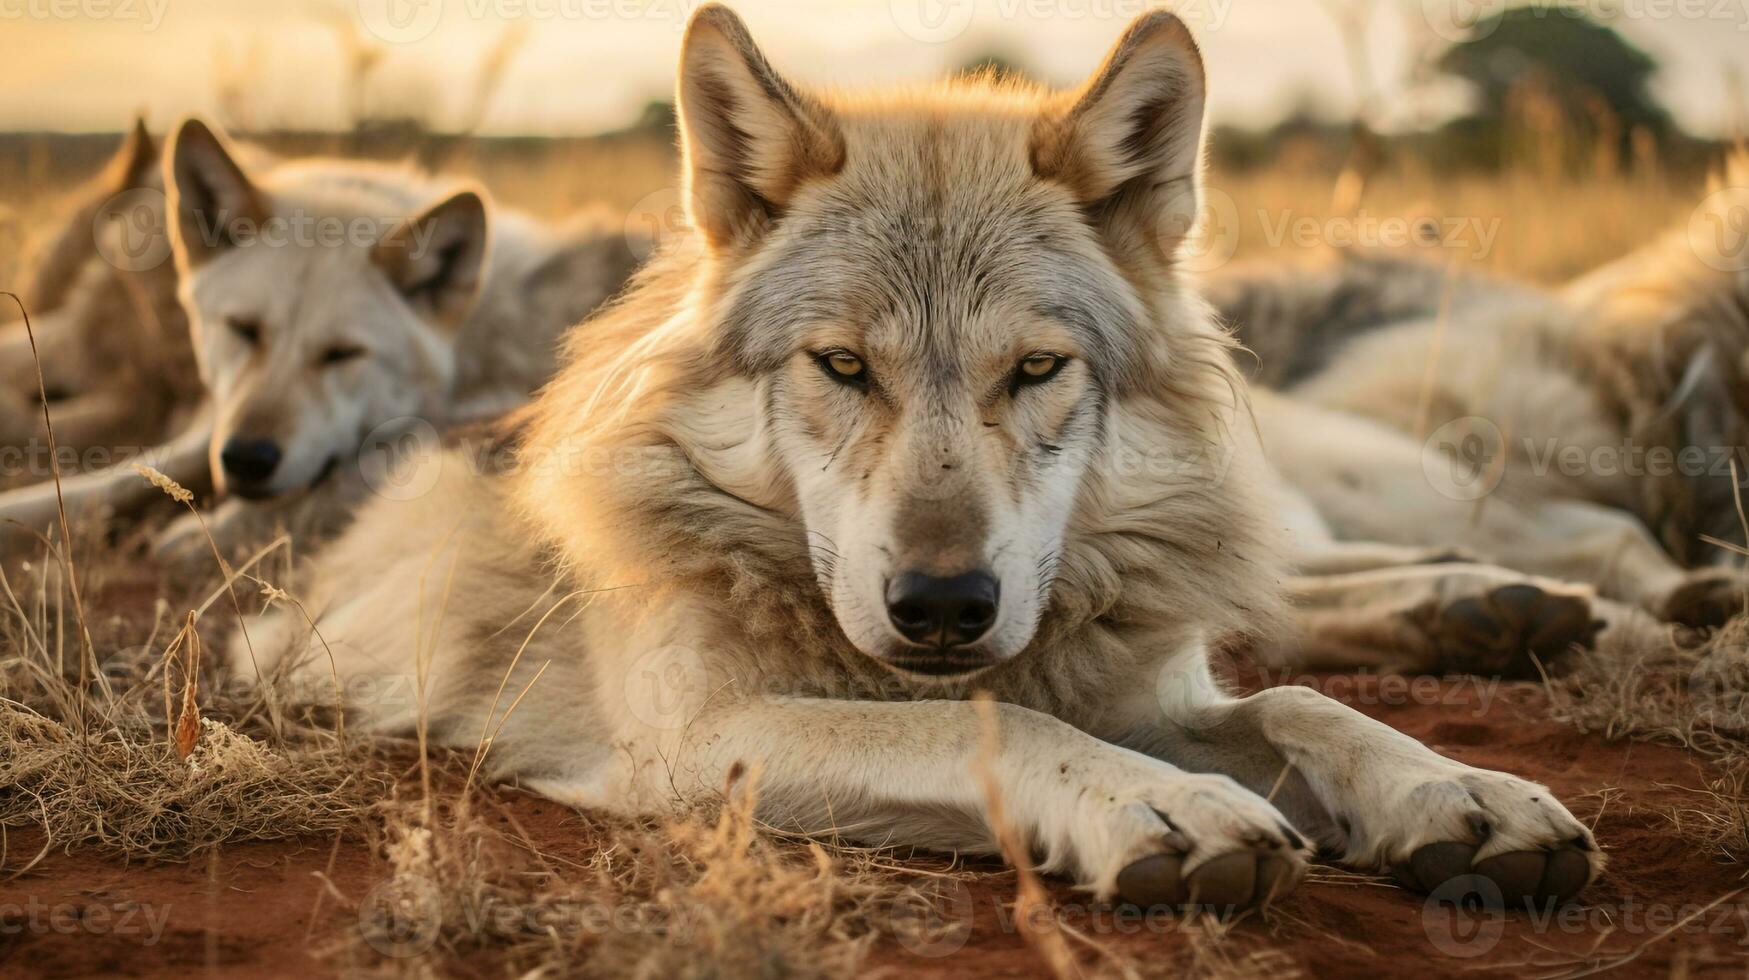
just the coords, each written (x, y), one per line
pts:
(749, 137)
(1128, 143)
(209, 194)
(135, 164)
(437, 258)
(57, 266)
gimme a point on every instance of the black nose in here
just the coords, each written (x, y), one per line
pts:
(249, 460)
(942, 612)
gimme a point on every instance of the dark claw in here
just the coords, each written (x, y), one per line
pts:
(1480, 826)
(1294, 840)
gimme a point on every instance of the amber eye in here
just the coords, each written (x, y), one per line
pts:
(1038, 368)
(841, 365)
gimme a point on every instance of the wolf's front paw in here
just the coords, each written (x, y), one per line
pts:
(1708, 597)
(1179, 839)
(1511, 833)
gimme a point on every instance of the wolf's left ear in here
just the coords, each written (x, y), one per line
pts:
(210, 197)
(437, 258)
(135, 162)
(750, 138)
(1128, 143)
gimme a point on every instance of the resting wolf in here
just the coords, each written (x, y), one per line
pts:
(1585, 435)
(924, 406)
(329, 299)
(112, 339)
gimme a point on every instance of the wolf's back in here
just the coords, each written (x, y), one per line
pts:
(1295, 316)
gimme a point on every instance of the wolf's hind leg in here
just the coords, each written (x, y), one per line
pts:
(1448, 619)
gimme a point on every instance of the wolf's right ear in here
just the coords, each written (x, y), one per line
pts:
(750, 138)
(209, 194)
(437, 258)
(1128, 143)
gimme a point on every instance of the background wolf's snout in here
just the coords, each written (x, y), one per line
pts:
(249, 461)
(942, 612)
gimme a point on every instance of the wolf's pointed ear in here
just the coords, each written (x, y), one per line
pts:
(750, 138)
(437, 258)
(210, 196)
(134, 162)
(1128, 143)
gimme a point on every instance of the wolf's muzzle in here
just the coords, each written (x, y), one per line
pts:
(942, 613)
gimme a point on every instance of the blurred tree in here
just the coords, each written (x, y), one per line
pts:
(658, 115)
(1549, 66)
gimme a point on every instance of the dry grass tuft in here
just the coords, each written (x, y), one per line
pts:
(1691, 692)
(148, 752)
(89, 761)
(131, 795)
(699, 895)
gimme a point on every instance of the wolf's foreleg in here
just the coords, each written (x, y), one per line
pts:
(906, 773)
(1372, 796)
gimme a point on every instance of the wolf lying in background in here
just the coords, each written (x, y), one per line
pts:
(1583, 436)
(101, 296)
(328, 299)
(860, 446)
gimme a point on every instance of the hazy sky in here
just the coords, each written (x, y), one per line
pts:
(584, 65)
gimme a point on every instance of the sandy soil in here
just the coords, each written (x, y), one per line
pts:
(265, 910)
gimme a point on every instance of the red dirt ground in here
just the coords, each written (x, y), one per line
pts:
(259, 910)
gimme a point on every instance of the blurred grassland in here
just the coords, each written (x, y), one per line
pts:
(1535, 223)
